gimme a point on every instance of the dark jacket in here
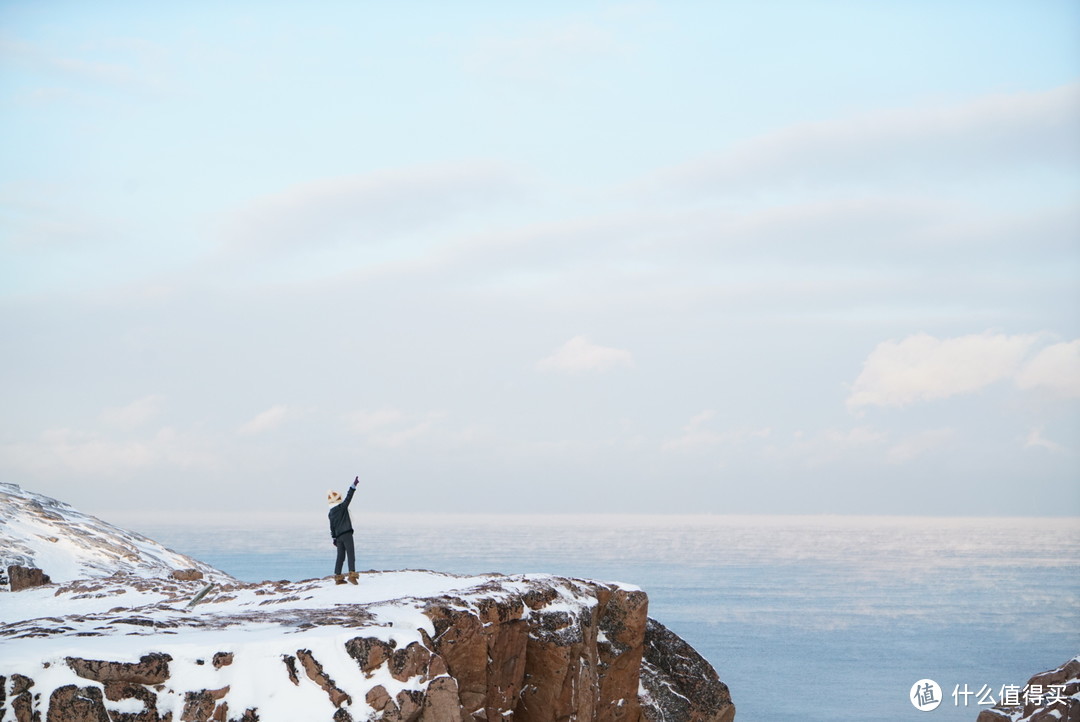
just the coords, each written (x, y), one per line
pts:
(340, 523)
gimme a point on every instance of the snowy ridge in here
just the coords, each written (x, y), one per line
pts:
(309, 649)
(39, 531)
(116, 635)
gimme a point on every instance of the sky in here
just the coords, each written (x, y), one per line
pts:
(687, 257)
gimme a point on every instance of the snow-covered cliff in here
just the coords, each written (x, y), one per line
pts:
(406, 645)
(39, 531)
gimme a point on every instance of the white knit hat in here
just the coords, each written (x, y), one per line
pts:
(333, 498)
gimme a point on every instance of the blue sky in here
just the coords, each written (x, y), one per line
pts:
(631, 257)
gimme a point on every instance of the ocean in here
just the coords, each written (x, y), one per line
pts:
(817, 619)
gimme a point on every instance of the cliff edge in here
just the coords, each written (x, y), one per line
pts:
(399, 646)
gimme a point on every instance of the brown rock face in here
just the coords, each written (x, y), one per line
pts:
(204, 706)
(77, 704)
(680, 683)
(20, 577)
(369, 653)
(441, 703)
(316, 674)
(484, 651)
(150, 669)
(548, 664)
(117, 691)
(22, 699)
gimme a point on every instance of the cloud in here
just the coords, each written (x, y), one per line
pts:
(364, 210)
(391, 428)
(266, 421)
(552, 52)
(924, 368)
(94, 455)
(1002, 130)
(365, 422)
(581, 355)
(134, 414)
(918, 445)
(1035, 440)
(1055, 369)
(831, 445)
(32, 225)
(697, 435)
(136, 73)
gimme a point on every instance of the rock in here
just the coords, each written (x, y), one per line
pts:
(484, 650)
(150, 669)
(679, 682)
(441, 703)
(77, 704)
(290, 665)
(20, 577)
(119, 691)
(186, 575)
(1054, 697)
(378, 698)
(316, 674)
(369, 653)
(222, 659)
(202, 706)
(623, 625)
(22, 700)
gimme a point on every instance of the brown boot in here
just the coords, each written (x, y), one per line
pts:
(353, 576)
(339, 579)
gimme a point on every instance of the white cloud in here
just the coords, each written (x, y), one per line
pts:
(1035, 440)
(1055, 369)
(579, 354)
(552, 52)
(922, 367)
(995, 130)
(364, 209)
(138, 74)
(365, 422)
(134, 414)
(390, 428)
(833, 444)
(93, 455)
(266, 421)
(697, 435)
(918, 445)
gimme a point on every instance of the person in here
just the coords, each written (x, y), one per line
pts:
(342, 532)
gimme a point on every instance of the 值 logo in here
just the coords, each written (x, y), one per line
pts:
(925, 695)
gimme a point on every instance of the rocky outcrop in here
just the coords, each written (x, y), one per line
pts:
(1052, 696)
(20, 577)
(678, 683)
(491, 648)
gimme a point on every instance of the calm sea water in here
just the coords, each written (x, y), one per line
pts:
(828, 619)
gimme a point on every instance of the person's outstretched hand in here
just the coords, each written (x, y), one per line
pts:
(356, 481)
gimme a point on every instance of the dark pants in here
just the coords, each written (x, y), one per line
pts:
(345, 546)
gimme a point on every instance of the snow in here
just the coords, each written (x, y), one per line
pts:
(113, 598)
(39, 531)
(259, 623)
